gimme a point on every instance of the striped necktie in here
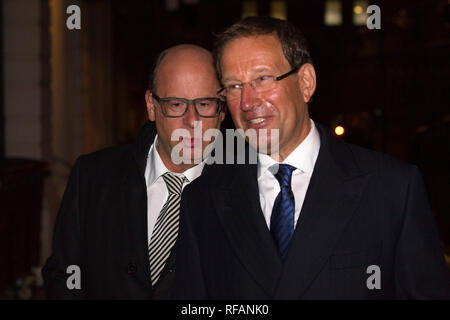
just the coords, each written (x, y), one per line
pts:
(165, 233)
(283, 212)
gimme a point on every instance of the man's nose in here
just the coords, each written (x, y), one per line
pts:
(249, 98)
(191, 116)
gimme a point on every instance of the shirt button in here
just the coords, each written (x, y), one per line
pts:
(131, 268)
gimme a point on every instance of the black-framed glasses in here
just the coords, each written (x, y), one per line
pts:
(261, 84)
(173, 107)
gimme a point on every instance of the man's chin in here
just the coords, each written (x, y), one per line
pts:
(191, 161)
(265, 145)
(194, 157)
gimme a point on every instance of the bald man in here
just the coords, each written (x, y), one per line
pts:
(118, 223)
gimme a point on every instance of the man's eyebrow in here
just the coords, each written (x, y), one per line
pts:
(257, 70)
(229, 79)
(260, 69)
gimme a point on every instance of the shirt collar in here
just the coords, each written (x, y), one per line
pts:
(158, 168)
(303, 157)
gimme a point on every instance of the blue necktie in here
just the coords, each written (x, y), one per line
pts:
(283, 212)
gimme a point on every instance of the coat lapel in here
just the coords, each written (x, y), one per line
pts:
(239, 210)
(333, 195)
(134, 201)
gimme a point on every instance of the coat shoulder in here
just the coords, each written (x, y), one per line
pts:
(374, 161)
(106, 162)
(110, 153)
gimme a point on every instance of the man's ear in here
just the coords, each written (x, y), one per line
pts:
(150, 105)
(222, 114)
(307, 81)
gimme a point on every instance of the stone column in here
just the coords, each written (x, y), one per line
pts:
(26, 77)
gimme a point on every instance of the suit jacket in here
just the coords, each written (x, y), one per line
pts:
(102, 228)
(365, 232)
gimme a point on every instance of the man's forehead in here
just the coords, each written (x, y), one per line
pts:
(185, 58)
(268, 42)
(252, 55)
(186, 64)
(251, 70)
(187, 81)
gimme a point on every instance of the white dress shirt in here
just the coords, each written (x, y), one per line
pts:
(303, 158)
(157, 193)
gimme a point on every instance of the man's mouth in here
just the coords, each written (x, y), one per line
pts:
(191, 142)
(257, 120)
(257, 123)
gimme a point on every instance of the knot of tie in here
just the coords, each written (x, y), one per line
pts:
(284, 175)
(174, 182)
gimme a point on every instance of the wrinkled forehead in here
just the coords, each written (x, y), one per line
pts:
(252, 55)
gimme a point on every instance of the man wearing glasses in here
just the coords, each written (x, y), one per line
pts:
(116, 230)
(315, 218)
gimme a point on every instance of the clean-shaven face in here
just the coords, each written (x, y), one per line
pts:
(283, 108)
(184, 73)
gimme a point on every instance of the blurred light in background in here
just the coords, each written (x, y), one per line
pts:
(333, 13)
(172, 5)
(357, 10)
(339, 130)
(278, 9)
(249, 8)
(360, 12)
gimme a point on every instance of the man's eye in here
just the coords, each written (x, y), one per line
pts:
(175, 104)
(234, 86)
(205, 103)
(263, 78)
